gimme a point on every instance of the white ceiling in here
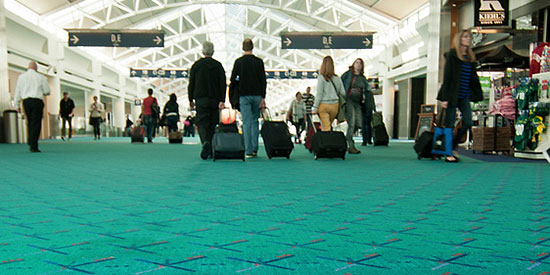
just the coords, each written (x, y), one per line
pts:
(226, 23)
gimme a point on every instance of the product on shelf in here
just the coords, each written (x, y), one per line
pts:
(540, 59)
(530, 124)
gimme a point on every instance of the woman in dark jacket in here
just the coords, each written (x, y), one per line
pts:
(359, 101)
(460, 86)
(171, 112)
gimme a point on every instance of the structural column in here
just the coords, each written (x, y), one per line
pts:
(432, 74)
(388, 91)
(5, 99)
(119, 117)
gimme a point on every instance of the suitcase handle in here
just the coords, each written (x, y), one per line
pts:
(264, 112)
(312, 124)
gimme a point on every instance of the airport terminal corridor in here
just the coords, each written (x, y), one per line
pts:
(111, 207)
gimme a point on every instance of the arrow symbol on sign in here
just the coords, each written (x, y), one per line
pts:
(133, 72)
(366, 42)
(157, 40)
(75, 39)
(288, 41)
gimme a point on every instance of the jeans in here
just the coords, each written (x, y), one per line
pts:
(34, 110)
(353, 117)
(464, 106)
(250, 110)
(300, 125)
(63, 129)
(149, 127)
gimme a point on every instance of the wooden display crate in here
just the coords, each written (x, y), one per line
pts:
(484, 139)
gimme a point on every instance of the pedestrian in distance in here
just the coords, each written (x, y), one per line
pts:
(96, 111)
(66, 113)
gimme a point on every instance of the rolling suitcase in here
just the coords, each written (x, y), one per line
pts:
(423, 146)
(227, 143)
(276, 138)
(330, 144)
(175, 137)
(443, 138)
(380, 135)
(137, 134)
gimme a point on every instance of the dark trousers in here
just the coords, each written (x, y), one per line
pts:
(172, 123)
(207, 118)
(366, 126)
(464, 106)
(150, 127)
(34, 110)
(300, 125)
(96, 122)
(63, 129)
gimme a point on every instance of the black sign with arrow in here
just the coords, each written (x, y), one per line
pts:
(344, 40)
(115, 38)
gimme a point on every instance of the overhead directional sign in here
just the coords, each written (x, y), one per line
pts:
(184, 73)
(341, 40)
(159, 72)
(291, 74)
(115, 38)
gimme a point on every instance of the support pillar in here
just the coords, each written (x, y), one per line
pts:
(5, 98)
(432, 70)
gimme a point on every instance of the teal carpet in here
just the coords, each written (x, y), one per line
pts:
(111, 207)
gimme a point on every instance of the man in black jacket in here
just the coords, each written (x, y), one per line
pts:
(66, 112)
(249, 73)
(207, 92)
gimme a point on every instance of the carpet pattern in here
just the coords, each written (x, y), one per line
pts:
(111, 207)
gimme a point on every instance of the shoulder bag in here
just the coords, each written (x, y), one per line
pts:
(341, 116)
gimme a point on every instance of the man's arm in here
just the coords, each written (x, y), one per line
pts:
(223, 88)
(191, 87)
(45, 86)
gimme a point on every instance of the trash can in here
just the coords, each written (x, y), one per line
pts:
(10, 126)
(22, 129)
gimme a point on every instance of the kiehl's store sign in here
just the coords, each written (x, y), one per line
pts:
(491, 13)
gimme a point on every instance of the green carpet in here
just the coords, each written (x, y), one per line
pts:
(111, 207)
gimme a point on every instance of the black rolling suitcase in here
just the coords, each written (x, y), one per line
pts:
(227, 143)
(423, 145)
(330, 144)
(380, 135)
(137, 134)
(276, 138)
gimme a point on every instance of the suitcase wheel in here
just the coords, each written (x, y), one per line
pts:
(343, 158)
(288, 157)
(419, 157)
(315, 157)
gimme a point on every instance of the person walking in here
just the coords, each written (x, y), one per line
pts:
(96, 111)
(356, 87)
(206, 90)
(31, 88)
(460, 86)
(171, 112)
(308, 99)
(249, 72)
(297, 115)
(368, 108)
(66, 113)
(128, 126)
(329, 85)
(150, 110)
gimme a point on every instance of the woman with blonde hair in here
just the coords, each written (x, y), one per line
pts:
(329, 85)
(460, 86)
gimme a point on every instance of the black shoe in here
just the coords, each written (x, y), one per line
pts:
(35, 151)
(63, 138)
(369, 143)
(206, 150)
(364, 144)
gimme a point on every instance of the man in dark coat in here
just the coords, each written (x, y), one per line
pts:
(207, 93)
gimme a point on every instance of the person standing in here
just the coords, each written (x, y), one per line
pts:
(171, 112)
(206, 90)
(368, 108)
(66, 113)
(150, 111)
(249, 72)
(308, 99)
(96, 111)
(31, 88)
(329, 85)
(460, 86)
(128, 127)
(356, 87)
(297, 115)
